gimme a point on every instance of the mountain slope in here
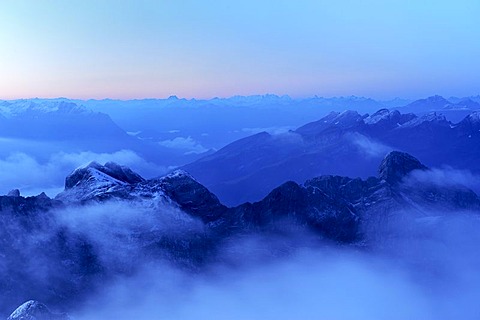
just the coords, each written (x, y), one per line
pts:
(34, 310)
(454, 109)
(42, 128)
(332, 205)
(341, 144)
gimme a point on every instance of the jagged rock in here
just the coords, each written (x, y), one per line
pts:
(93, 170)
(333, 206)
(190, 195)
(27, 205)
(34, 310)
(96, 181)
(396, 165)
(384, 120)
(43, 196)
(471, 124)
(13, 193)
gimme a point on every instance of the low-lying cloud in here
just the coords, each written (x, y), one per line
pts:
(369, 147)
(423, 269)
(271, 130)
(188, 145)
(446, 176)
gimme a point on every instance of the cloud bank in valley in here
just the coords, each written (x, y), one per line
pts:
(423, 269)
(188, 145)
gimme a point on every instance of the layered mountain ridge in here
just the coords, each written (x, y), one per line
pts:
(318, 195)
(342, 143)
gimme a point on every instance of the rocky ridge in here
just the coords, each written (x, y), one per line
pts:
(333, 208)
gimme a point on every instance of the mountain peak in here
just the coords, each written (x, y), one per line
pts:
(389, 119)
(34, 310)
(178, 174)
(110, 172)
(468, 103)
(13, 193)
(436, 98)
(396, 165)
(431, 117)
(470, 125)
(190, 195)
(345, 120)
(428, 104)
(474, 117)
(382, 114)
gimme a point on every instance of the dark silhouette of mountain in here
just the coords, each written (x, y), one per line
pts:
(344, 143)
(302, 204)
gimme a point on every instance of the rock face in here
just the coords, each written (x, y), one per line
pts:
(111, 181)
(95, 180)
(397, 165)
(34, 310)
(332, 206)
(190, 195)
(13, 193)
(117, 173)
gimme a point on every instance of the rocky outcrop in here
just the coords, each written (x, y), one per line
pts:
(332, 206)
(396, 165)
(34, 310)
(13, 193)
(117, 173)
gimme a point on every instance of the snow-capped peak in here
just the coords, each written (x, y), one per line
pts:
(430, 117)
(95, 173)
(378, 116)
(34, 310)
(179, 173)
(15, 108)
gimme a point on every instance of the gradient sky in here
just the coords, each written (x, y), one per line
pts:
(137, 49)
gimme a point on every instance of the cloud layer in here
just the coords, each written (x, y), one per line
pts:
(423, 269)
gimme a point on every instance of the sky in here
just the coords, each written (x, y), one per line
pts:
(190, 48)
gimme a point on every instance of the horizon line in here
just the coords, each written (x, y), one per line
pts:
(175, 97)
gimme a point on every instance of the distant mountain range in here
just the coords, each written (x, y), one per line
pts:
(454, 108)
(167, 133)
(334, 208)
(216, 122)
(65, 126)
(194, 126)
(57, 121)
(345, 143)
